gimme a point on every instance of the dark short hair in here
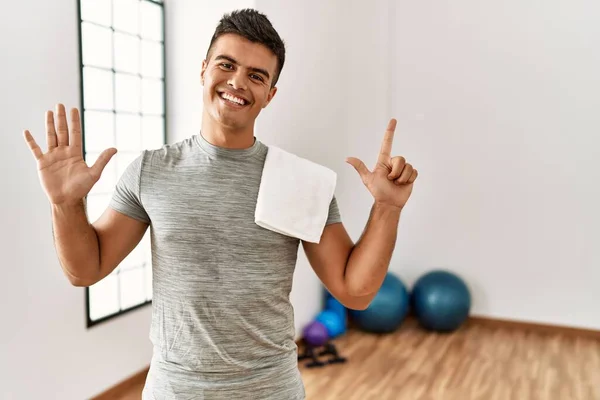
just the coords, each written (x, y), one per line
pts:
(255, 27)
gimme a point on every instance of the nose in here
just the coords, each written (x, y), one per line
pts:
(238, 80)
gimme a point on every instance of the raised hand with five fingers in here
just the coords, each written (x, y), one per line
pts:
(64, 175)
(391, 181)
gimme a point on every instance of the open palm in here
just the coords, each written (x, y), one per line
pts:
(64, 175)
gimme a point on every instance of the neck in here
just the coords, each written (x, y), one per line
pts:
(228, 137)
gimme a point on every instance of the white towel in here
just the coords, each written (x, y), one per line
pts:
(294, 195)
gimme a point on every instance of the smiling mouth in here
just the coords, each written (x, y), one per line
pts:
(233, 100)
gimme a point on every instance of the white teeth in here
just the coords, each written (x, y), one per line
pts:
(233, 98)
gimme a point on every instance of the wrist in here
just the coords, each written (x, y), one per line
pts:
(387, 208)
(68, 205)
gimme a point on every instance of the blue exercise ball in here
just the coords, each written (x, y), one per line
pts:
(333, 304)
(333, 322)
(388, 309)
(441, 301)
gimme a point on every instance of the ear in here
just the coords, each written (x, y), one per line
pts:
(272, 93)
(204, 65)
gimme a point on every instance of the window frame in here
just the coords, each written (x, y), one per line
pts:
(122, 311)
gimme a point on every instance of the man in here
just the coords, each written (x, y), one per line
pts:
(222, 322)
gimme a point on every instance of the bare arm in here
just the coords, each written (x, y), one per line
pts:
(354, 272)
(329, 258)
(89, 252)
(370, 257)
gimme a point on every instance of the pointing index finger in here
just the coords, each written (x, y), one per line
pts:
(388, 139)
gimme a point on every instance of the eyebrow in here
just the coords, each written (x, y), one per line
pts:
(234, 61)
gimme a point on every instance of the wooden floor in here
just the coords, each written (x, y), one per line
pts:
(477, 362)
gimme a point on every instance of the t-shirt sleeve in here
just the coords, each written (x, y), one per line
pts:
(126, 197)
(334, 212)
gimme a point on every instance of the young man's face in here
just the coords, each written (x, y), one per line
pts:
(237, 81)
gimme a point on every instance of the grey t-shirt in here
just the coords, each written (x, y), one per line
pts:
(222, 322)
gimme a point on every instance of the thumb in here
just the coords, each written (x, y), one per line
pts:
(359, 166)
(101, 162)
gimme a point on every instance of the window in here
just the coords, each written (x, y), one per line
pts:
(122, 54)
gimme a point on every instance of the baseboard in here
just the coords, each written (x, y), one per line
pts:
(123, 387)
(543, 328)
(534, 327)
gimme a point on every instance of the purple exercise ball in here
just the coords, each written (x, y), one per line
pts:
(315, 334)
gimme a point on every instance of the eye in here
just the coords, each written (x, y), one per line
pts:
(257, 77)
(227, 65)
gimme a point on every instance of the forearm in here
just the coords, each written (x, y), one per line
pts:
(370, 258)
(76, 243)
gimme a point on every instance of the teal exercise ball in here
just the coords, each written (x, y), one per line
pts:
(441, 301)
(388, 309)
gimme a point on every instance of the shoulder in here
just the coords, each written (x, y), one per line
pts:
(167, 155)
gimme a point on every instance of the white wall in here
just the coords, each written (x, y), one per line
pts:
(498, 106)
(45, 349)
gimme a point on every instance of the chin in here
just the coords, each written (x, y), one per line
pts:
(230, 122)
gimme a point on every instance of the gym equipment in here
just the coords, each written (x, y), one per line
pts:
(315, 334)
(335, 306)
(388, 309)
(333, 321)
(441, 301)
(329, 324)
(328, 349)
